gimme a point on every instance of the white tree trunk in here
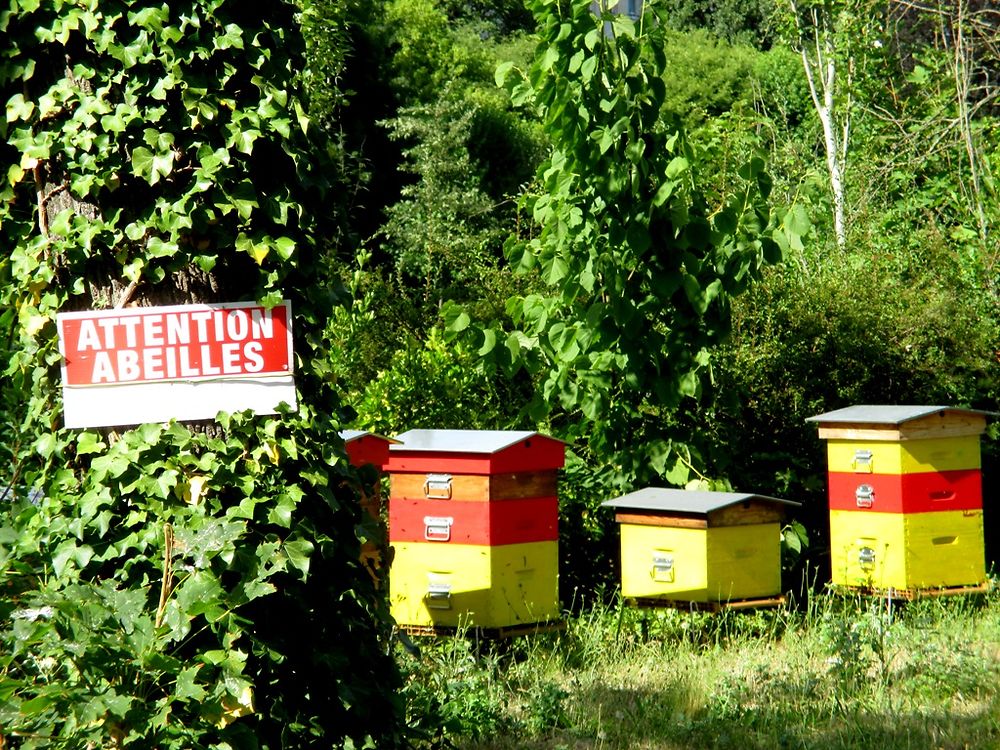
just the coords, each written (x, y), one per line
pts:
(820, 65)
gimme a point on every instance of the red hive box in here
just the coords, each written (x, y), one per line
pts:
(365, 448)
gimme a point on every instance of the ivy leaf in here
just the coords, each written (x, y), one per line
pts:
(285, 247)
(244, 200)
(186, 687)
(142, 164)
(281, 513)
(19, 109)
(201, 594)
(165, 482)
(89, 442)
(47, 444)
(298, 552)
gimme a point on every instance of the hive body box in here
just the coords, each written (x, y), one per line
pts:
(682, 546)
(473, 520)
(367, 448)
(905, 492)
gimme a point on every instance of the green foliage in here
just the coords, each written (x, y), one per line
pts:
(464, 154)
(827, 677)
(637, 268)
(452, 691)
(498, 17)
(428, 51)
(174, 588)
(861, 636)
(434, 385)
(736, 21)
(327, 30)
(706, 77)
(142, 594)
(467, 154)
(782, 88)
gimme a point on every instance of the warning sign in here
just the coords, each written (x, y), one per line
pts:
(188, 359)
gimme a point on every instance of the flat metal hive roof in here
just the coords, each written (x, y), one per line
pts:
(462, 441)
(686, 501)
(349, 435)
(888, 414)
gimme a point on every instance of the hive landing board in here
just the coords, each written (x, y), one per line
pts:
(183, 362)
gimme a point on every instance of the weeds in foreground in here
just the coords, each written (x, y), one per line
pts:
(841, 673)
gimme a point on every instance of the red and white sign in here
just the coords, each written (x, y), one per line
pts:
(151, 364)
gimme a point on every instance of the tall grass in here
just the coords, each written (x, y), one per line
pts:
(839, 673)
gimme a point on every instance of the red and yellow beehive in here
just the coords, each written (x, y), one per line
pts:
(367, 448)
(473, 521)
(906, 501)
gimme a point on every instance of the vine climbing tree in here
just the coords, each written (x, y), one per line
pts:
(169, 585)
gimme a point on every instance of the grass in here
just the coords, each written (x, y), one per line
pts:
(840, 673)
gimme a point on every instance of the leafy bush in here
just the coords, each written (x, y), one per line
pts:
(858, 329)
(705, 77)
(435, 385)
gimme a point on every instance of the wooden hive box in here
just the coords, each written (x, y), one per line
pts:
(905, 494)
(366, 448)
(474, 585)
(907, 551)
(678, 545)
(473, 521)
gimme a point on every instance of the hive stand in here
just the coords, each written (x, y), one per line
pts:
(700, 550)
(473, 522)
(906, 502)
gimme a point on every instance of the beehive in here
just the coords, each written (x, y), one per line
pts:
(686, 546)
(905, 494)
(473, 521)
(367, 448)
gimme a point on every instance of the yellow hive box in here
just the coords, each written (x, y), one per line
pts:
(907, 551)
(701, 565)
(682, 546)
(906, 457)
(474, 585)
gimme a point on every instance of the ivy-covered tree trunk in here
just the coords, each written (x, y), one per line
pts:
(164, 586)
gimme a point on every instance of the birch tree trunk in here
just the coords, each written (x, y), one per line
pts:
(819, 60)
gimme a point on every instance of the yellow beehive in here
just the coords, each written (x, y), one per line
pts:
(472, 584)
(915, 454)
(907, 551)
(699, 546)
